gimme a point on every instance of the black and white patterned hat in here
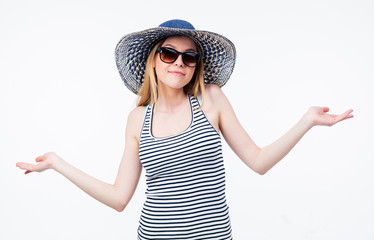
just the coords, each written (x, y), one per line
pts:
(132, 51)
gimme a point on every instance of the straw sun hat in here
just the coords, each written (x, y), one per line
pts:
(132, 51)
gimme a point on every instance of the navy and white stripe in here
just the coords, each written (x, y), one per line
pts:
(185, 182)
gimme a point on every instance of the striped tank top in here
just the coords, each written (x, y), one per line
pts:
(185, 176)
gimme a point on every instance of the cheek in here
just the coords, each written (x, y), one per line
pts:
(191, 74)
(158, 68)
(155, 64)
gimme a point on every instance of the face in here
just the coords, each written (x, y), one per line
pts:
(175, 75)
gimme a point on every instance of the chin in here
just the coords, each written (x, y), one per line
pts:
(174, 85)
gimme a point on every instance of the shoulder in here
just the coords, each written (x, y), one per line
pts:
(136, 113)
(135, 121)
(214, 96)
(212, 90)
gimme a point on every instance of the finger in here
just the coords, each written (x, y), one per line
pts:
(344, 119)
(25, 166)
(348, 117)
(325, 109)
(19, 164)
(39, 158)
(348, 113)
(344, 115)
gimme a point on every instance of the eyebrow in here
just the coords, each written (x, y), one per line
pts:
(187, 50)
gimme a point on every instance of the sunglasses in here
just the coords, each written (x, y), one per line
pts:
(170, 55)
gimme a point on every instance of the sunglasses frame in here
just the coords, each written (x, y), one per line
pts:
(160, 49)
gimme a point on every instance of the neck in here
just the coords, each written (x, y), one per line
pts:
(170, 100)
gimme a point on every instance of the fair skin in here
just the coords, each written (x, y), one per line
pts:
(172, 115)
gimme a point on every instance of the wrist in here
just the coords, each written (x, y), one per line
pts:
(307, 122)
(57, 162)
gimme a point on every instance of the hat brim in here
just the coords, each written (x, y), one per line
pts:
(132, 51)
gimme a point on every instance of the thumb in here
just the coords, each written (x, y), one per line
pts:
(39, 158)
(325, 109)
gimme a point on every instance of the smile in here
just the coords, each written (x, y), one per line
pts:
(177, 73)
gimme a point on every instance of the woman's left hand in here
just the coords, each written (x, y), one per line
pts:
(320, 116)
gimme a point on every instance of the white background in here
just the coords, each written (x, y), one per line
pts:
(60, 91)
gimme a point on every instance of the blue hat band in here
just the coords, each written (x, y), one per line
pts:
(178, 24)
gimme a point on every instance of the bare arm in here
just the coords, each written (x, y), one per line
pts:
(115, 195)
(273, 153)
(263, 159)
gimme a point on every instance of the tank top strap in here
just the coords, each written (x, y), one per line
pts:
(147, 120)
(195, 109)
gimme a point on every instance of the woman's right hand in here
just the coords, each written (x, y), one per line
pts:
(44, 162)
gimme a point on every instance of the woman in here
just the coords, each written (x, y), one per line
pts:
(174, 133)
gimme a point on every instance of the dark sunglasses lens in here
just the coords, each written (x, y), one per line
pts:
(168, 55)
(190, 58)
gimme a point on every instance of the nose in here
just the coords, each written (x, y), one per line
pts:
(179, 60)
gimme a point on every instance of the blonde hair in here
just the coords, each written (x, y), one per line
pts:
(148, 94)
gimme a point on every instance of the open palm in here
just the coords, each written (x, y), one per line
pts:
(44, 162)
(320, 116)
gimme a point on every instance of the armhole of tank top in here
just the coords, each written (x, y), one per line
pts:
(145, 109)
(202, 110)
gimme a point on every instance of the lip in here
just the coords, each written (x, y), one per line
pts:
(177, 73)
